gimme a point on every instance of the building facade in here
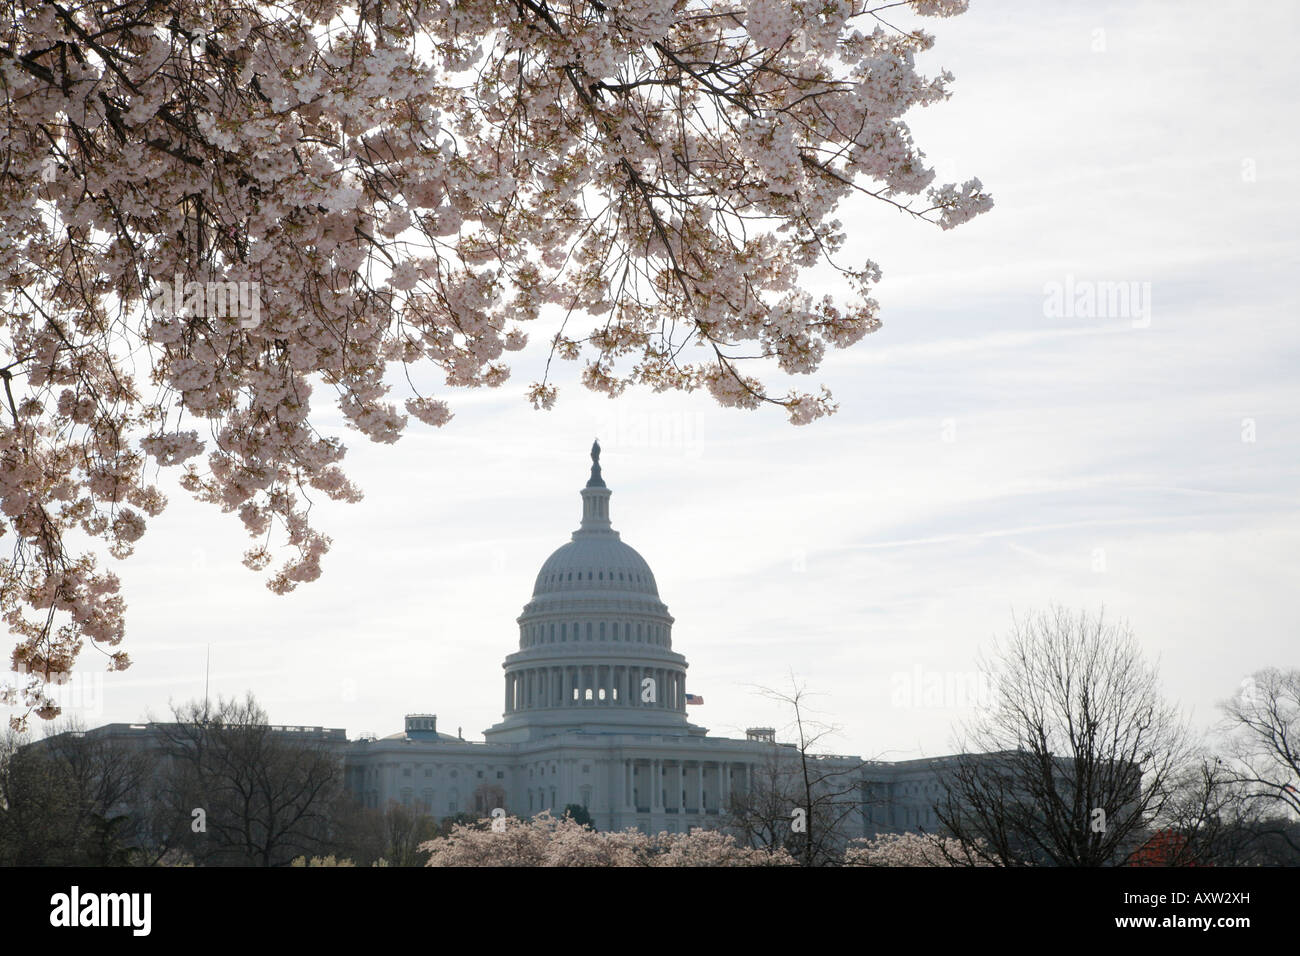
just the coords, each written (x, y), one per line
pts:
(595, 714)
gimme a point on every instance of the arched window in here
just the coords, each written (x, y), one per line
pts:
(602, 630)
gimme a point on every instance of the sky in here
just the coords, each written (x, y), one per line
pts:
(993, 454)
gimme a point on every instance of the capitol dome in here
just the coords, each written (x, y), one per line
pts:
(596, 560)
(591, 563)
(595, 639)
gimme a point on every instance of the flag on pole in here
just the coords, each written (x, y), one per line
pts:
(694, 699)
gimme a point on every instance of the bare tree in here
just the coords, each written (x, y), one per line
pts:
(1202, 822)
(65, 800)
(799, 799)
(265, 796)
(1078, 754)
(1263, 736)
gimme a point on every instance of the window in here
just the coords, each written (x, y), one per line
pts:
(453, 773)
(406, 771)
(480, 774)
(586, 768)
(428, 772)
(501, 774)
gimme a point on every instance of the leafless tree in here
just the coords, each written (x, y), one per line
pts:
(64, 800)
(1262, 727)
(266, 797)
(1078, 753)
(797, 781)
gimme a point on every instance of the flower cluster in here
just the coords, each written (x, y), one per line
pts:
(545, 840)
(401, 184)
(912, 849)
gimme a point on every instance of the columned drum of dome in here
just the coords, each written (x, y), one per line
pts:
(595, 641)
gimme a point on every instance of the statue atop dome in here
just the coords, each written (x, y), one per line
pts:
(595, 481)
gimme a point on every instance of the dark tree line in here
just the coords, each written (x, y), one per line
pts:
(217, 785)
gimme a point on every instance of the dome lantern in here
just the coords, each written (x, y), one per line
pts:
(595, 499)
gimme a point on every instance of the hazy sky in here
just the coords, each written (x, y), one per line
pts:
(991, 455)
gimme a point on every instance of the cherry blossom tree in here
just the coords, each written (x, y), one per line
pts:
(910, 849)
(215, 211)
(545, 840)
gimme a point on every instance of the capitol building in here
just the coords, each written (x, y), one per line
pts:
(595, 713)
